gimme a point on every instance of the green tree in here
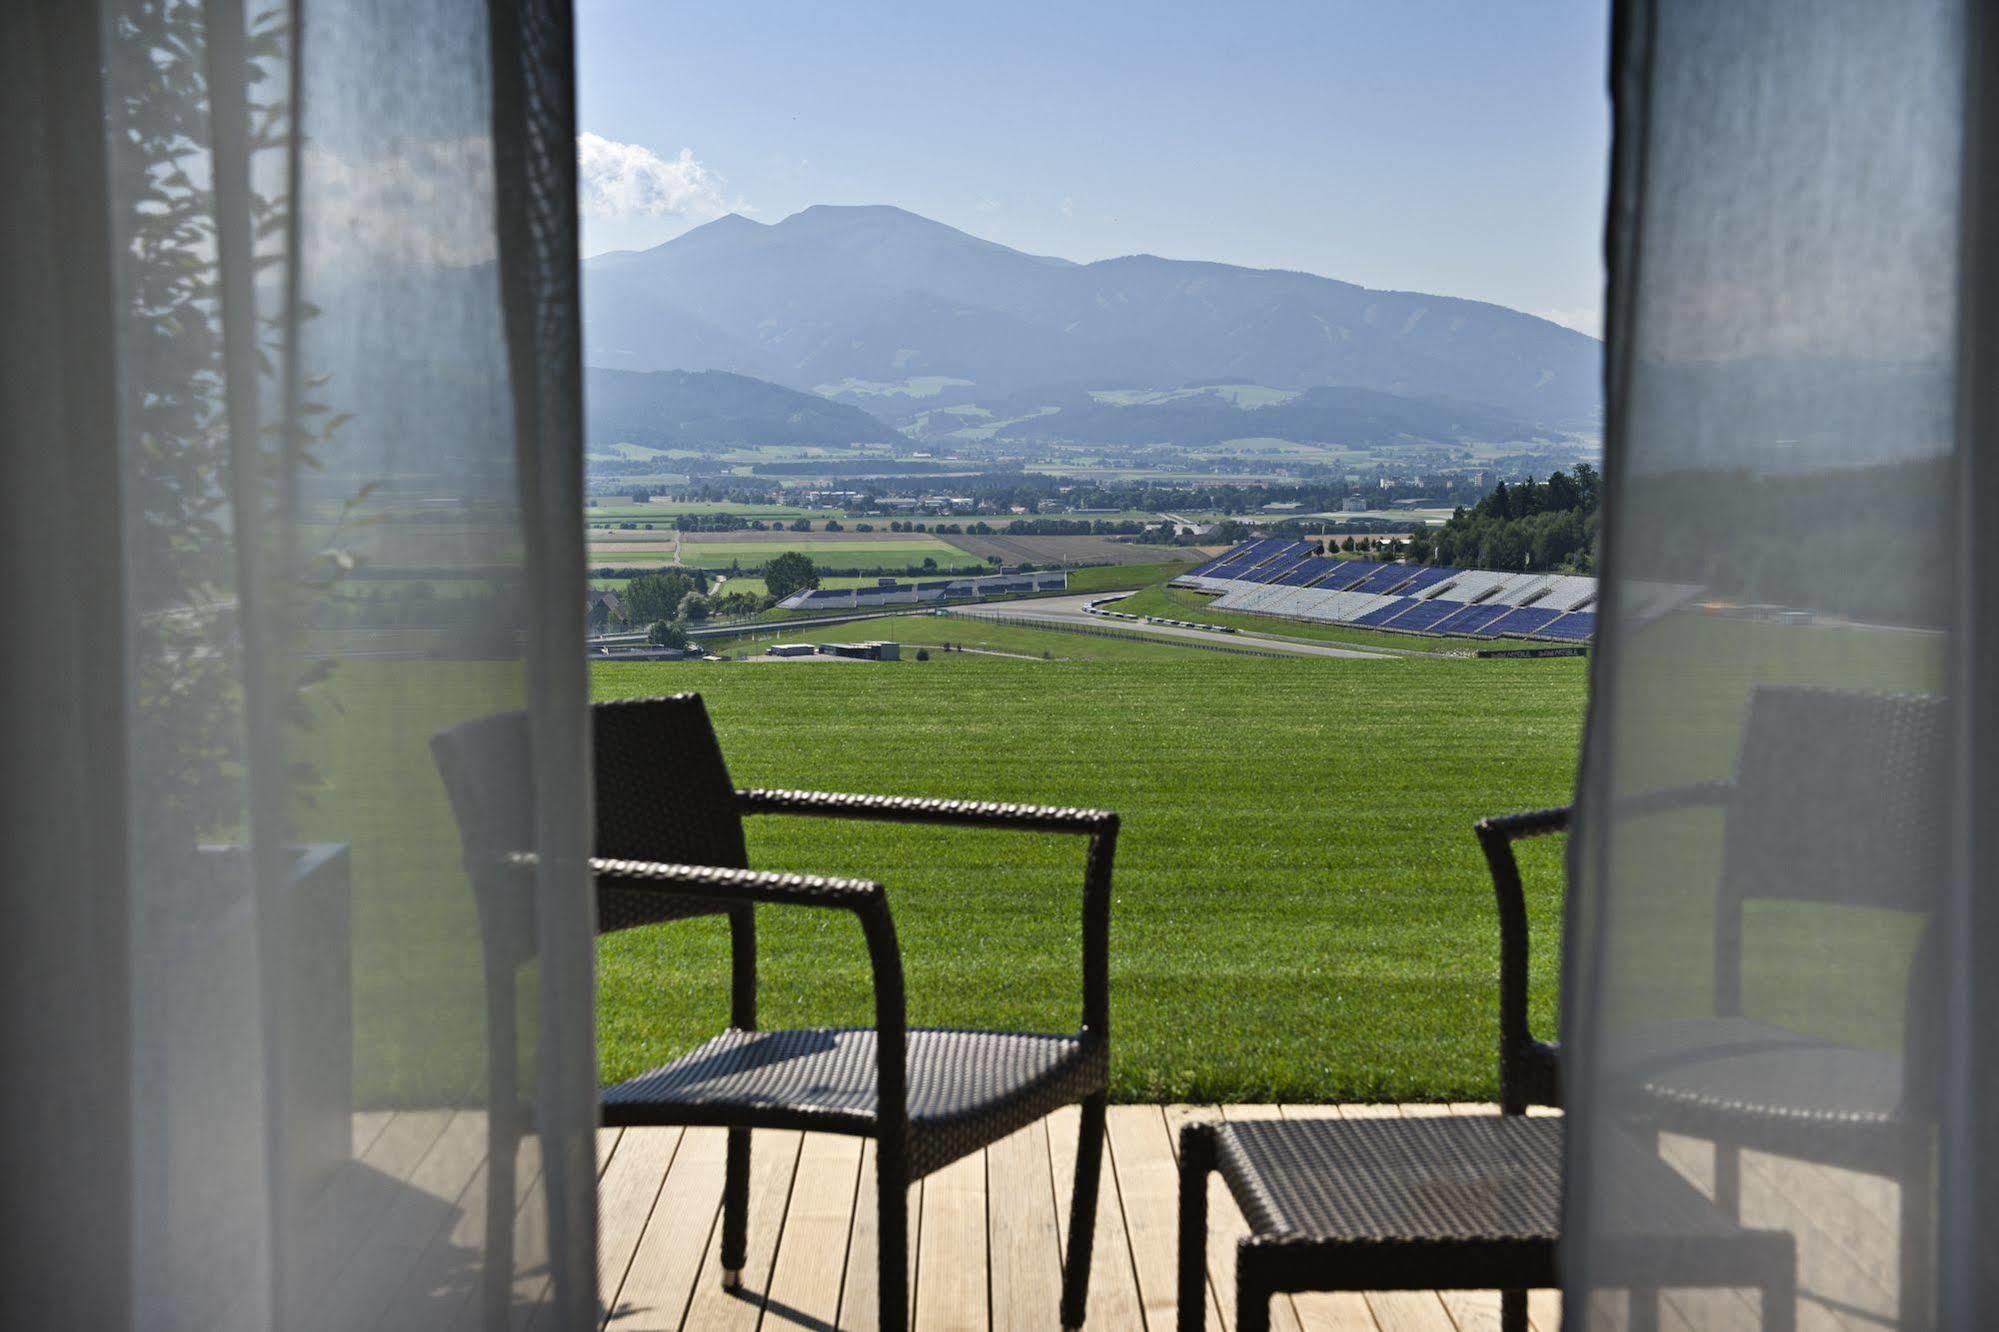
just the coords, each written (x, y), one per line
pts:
(694, 608)
(790, 572)
(657, 596)
(667, 634)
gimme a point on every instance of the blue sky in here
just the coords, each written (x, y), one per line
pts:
(1456, 148)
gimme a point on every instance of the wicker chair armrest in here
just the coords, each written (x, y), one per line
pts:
(864, 897)
(917, 809)
(1528, 1073)
(1100, 826)
(1667, 800)
(740, 885)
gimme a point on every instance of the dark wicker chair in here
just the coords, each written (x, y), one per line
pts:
(1789, 835)
(1462, 1202)
(670, 845)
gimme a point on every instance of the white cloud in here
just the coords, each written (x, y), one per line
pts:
(1583, 320)
(625, 181)
(428, 204)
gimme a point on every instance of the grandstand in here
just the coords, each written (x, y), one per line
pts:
(889, 592)
(1286, 578)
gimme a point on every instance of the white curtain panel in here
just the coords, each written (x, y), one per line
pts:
(292, 475)
(1771, 975)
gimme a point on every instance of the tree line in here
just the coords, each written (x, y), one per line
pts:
(1538, 527)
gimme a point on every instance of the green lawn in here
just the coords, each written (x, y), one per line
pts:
(1301, 911)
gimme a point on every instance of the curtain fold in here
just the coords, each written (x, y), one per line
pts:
(292, 470)
(1768, 970)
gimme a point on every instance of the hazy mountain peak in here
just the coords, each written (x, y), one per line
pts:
(877, 295)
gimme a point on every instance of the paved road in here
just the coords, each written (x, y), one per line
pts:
(1069, 610)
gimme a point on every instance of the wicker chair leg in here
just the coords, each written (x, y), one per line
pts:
(1728, 1179)
(1513, 1311)
(892, 1253)
(1197, 1160)
(1918, 1227)
(1780, 1294)
(502, 1139)
(736, 1209)
(1083, 1213)
(1252, 1294)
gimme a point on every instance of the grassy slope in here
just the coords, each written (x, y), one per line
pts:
(1116, 578)
(1312, 921)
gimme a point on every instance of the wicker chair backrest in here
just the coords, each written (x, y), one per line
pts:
(662, 793)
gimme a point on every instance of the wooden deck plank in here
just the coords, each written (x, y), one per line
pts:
(1023, 1236)
(365, 1126)
(441, 1288)
(812, 1255)
(860, 1293)
(360, 1193)
(1113, 1301)
(660, 1277)
(951, 1267)
(627, 1193)
(607, 1147)
(1149, 1192)
(773, 1166)
(423, 1209)
(1544, 1310)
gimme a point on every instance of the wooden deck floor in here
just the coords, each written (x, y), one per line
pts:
(987, 1235)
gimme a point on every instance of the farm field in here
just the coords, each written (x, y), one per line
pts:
(1058, 549)
(837, 554)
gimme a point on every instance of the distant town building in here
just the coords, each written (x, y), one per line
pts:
(1353, 506)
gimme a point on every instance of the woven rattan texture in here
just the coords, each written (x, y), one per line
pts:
(966, 1088)
(663, 795)
(1459, 1177)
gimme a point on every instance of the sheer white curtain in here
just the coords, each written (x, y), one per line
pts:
(288, 371)
(1773, 980)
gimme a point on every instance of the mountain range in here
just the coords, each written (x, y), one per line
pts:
(678, 409)
(935, 331)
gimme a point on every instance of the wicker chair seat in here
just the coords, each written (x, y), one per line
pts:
(966, 1088)
(1468, 1202)
(1712, 1069)
(1444, 1180)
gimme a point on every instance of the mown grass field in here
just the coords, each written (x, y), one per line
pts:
(1301, 911)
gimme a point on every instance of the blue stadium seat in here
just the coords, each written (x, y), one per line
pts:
(1425, 614)
(1301, 574)
(1350, 573)
(1383, 614)
(1470, 620)
(1384, 577)
(1526, 620)
(1427, 577)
